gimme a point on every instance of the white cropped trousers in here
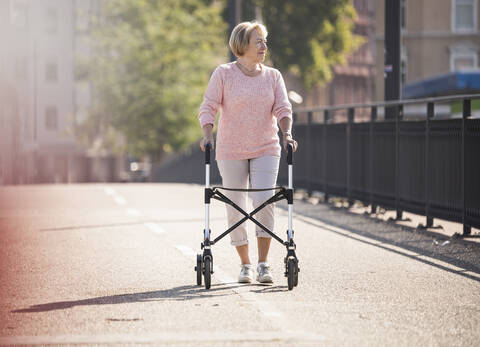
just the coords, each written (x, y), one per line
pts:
(262, 173)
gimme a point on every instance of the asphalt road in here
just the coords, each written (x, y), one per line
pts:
(113, 264)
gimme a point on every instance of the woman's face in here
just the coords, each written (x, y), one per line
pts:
(257, 48)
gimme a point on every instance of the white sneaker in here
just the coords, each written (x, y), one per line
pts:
(264, 275)
(246, 274)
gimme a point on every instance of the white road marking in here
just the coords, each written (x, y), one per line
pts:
(120, 200)
(109, 191)
(385, 245)
(155, 228)
(263, 306)
(133, 212)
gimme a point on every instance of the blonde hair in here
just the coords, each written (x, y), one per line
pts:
(240, 37)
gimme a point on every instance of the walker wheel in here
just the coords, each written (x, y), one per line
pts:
(207, 272)
(198, 269)
(291, 273)
(297, 270)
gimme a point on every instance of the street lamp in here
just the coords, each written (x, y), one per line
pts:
(295, 97)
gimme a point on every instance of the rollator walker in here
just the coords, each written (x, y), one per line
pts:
(205, 261)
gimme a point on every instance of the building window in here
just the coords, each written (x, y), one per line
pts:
(83, 13)
(18, 13)
(464, 15)
(463, 59)
(51, 72)
(464, 62)
(51, 118)
(51, 21)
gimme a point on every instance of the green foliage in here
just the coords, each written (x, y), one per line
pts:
(309, 37)
(457, 106)
(151, 65)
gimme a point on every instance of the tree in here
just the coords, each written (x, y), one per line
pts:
(151, 63)
(308, 37)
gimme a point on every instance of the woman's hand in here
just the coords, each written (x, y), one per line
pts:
(207, 137)
(286, 128)
(287, 138)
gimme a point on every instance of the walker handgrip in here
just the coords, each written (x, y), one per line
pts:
(290, 154)
(207, 154)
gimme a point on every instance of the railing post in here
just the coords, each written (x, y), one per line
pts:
(373, 117)
(351, 115)
(398, 116)
(467, 111)
(325, 152)
(430, 115)
(309, 151)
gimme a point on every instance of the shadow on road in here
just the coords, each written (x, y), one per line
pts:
(114, 225)
(181, 293)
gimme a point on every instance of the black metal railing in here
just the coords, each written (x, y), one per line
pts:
(418, 161)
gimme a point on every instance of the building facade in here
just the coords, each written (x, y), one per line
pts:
(439, 37)
(42, 42)
(353, 83)
(14, 89)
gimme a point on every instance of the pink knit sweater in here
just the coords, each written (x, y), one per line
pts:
(251, 107)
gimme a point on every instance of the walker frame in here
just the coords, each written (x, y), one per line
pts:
(204, 267)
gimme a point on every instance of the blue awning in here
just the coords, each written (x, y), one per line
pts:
(459, 82)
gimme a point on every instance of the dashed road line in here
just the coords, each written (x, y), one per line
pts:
(120, 200)
(133, 212)
(109, 191)
(261, 305)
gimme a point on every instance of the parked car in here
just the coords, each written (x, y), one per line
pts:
(137, 172)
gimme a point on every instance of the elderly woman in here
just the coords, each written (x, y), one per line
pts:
(253, 99)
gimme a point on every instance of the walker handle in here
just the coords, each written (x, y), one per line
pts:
(290, 154)
(207, 153)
